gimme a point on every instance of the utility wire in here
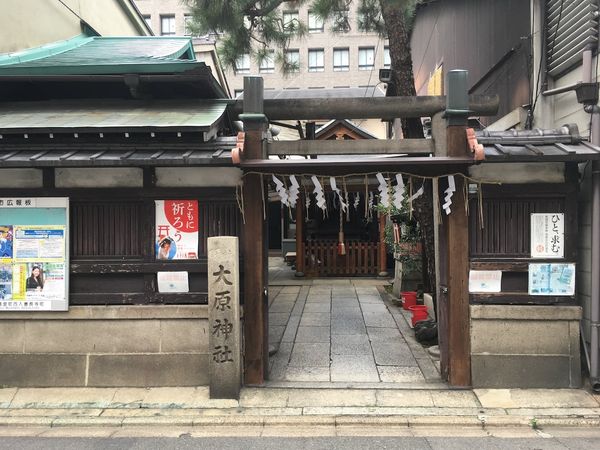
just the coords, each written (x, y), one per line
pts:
(67, 6)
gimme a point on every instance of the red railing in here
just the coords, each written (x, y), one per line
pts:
(322, 259)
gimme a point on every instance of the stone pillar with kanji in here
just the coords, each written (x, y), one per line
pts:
(224, 317)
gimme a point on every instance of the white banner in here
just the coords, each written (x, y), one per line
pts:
(548, 235)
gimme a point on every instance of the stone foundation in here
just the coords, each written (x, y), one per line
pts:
(525, 346)
(99, 346)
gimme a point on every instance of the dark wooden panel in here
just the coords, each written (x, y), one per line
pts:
(113, 259)
(106, 229)
(506, 225)
(82, 299)
(106, 283)
(519, 298)
(515, 281)
(113, 267)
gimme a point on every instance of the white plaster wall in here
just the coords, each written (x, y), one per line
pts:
(522, 173)
(32, 23)
(104, 177)
(553, 112)
(374, 126)
(198, 177)
(20, 178)
(566, 108)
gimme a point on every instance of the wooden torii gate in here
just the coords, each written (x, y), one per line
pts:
(452, 154)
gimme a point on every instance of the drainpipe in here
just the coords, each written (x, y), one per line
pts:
(595, 309)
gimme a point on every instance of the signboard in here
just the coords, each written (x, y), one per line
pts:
(172, 282)
(485, 281)
(34, 255)
(548, 235)
(176, 233)
(552, 279)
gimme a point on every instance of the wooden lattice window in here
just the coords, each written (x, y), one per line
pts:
(217, 219)
(106, 229)
(506, 225)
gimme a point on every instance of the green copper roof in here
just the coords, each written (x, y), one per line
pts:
(95, 55)
(111, 116)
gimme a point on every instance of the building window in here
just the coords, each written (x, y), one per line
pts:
(341, 59)
(315, 23)
(387, 62)
(292, 60)
(242, 64)
(148, 20)
(315, 60)
(290, 20)
(366, 58)
(237, 93)
(570, 26)
(187, 21)
(267, 65)
(167, 25)
(341, 21)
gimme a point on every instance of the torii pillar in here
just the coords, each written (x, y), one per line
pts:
(457, 238)
(255, 251)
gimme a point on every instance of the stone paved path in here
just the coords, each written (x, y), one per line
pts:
(337, 332)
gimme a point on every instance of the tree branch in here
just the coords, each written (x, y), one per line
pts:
(269, 7)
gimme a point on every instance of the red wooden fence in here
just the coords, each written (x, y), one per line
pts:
(322, 259)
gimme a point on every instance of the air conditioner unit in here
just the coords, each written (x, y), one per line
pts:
(385, 75)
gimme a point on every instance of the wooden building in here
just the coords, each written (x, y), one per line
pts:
(500, 190)
(114, 125)
(317, 235)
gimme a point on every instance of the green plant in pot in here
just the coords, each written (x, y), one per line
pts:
(403, 240)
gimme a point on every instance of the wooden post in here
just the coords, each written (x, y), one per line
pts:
(256, 331)
(300, 236)
(381, 247)
(441, 278)
(459, 363)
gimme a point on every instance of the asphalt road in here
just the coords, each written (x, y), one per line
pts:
(279, 443)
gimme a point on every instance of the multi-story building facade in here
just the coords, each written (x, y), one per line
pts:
(330, 63)
(326, 59)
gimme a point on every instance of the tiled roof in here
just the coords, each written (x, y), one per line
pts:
(555, 145)
(107, 153)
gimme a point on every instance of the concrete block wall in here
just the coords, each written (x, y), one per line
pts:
(525, 346)
(100, 346)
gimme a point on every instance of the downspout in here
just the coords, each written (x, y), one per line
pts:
(595, 306)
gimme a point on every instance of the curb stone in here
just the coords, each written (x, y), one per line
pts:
(349, 420)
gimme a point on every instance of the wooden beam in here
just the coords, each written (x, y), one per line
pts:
(351, 147)
(352, 165)
(386, 108)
